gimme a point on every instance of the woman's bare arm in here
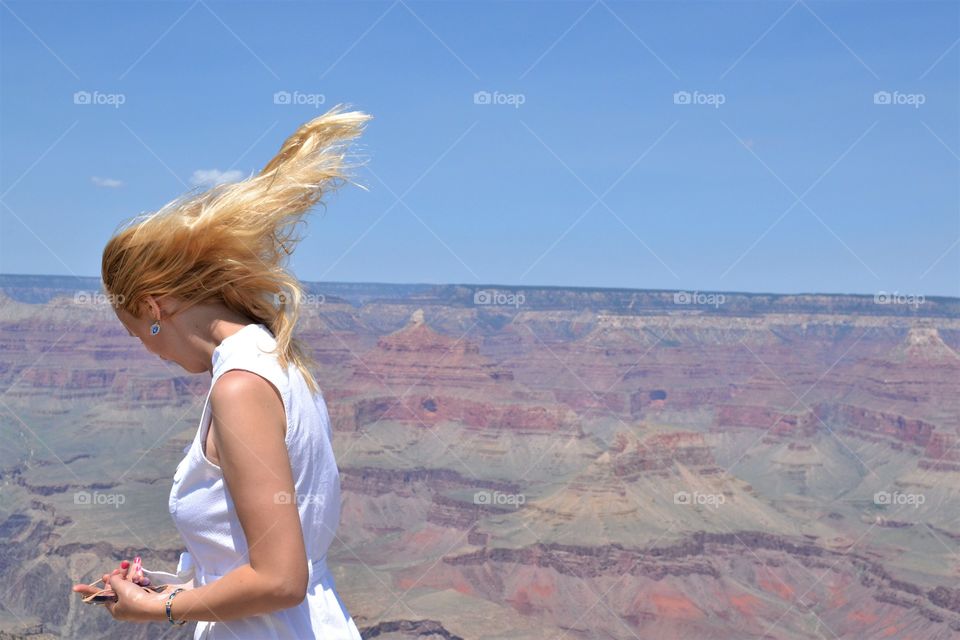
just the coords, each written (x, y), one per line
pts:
(248, 426)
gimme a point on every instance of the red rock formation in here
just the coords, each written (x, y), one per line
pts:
(799, 425)
(659, 452)
(418, 355)
(942, 452)
(876, 425)
(429, 410)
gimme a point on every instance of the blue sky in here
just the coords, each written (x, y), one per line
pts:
(778, 170)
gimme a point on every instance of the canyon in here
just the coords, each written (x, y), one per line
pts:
(579, 463)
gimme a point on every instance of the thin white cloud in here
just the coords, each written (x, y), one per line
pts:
(213, 177)
(109, 183)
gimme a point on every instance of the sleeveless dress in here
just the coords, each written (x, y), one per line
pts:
(203, 510)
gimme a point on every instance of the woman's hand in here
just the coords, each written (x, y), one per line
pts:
(126, 571)
(134, 603)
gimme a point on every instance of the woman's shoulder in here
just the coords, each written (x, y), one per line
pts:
(252, 340)
(252, 348)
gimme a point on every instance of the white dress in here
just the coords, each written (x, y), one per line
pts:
(203, 511)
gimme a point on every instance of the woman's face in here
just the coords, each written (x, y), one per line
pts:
(177, 340)
(161, 345)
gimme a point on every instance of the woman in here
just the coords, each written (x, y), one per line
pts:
(256, 499)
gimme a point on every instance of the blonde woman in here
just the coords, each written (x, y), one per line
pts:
(256, 498)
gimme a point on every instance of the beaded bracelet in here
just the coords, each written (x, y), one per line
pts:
(170, 602)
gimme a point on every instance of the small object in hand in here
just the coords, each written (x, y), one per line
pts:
(107, 595)
(101, 597)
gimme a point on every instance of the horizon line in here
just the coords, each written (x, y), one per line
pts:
(872, 294)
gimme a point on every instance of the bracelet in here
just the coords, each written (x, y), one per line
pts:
(170, 602)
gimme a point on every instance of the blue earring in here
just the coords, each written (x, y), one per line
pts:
(155, 328)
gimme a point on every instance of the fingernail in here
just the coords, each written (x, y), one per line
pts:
(124, 564)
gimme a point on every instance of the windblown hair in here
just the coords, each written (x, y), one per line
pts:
(230, 243)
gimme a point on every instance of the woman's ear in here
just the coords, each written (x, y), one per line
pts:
(154, 308)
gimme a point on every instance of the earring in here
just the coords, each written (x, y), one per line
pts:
(155, 328)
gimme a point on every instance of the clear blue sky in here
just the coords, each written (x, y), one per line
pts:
(798, 182)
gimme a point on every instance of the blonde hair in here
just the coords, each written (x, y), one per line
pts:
(230, 243)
